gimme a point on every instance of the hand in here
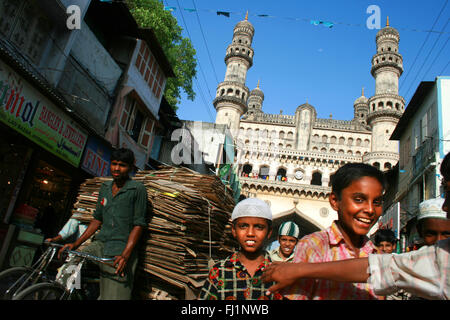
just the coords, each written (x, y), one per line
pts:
(121, 262)
(68, 246)
(54, 239)
(283, 273)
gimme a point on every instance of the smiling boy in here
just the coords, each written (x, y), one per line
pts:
(423, 272)
(356, 196)
(239, 276)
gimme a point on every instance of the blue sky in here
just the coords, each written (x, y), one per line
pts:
(297, 61)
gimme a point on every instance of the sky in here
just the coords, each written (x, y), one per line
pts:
(297, 61)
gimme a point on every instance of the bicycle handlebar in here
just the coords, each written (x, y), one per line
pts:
(83, 254)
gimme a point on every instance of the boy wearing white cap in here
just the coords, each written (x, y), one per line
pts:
(432, 222)
(238, 277)
(287, 237)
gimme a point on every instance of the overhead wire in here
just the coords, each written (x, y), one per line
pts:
(421, 48)
(201, 69)
(435, 58)
(206, 42)
(426, 59)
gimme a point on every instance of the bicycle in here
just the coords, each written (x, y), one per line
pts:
(15, 279)
(67, 283)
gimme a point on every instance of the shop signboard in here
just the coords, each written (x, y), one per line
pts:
(26, 110)
(96, 159)
(391, 219)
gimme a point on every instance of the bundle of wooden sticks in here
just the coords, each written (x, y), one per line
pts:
(189, 227)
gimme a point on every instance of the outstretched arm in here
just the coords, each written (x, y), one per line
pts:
(287, 273)
(93, 226)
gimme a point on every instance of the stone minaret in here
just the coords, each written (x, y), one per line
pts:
(386, 106)
(255, 100)
(232, 93)
(361, 109)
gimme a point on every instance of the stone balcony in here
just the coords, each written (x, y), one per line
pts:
(290, 188)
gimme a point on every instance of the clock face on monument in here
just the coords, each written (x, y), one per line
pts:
(299, 175)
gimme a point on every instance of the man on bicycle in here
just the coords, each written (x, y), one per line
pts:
(121, 213)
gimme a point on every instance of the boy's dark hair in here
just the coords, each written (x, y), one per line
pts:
(123, 154)
(350, 172)
(445, 167)
(385, 235)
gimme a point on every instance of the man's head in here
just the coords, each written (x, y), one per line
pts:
(251, 225)
(122, 163)
(288, 237)
(445, 172)
(432, 222)
(385, 240)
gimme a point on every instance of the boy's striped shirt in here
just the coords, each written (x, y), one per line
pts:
(324, 246)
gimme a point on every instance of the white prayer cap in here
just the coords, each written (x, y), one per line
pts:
(432, 209)
(252, 207)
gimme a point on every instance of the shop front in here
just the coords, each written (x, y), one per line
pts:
(41, 148)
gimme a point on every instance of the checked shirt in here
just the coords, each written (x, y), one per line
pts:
(229, 280)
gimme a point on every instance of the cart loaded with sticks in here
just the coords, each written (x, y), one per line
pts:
(189, 228)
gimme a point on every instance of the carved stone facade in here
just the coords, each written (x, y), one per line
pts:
(288, 160)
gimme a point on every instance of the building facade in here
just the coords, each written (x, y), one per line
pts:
(288, 160)
(424, 136)
(54, 104)
(68, 96)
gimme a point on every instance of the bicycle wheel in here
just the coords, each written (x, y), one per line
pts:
(10, 280)
(42, 291)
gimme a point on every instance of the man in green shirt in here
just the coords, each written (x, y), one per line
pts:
(121, 213)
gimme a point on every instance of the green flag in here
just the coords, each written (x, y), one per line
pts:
(223, 171)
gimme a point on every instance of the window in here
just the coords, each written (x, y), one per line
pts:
(316, 179)
(149, 69)
(424, 128)
(136, 123)
(24, 24)
(246, 170)
(147, 132)
(264, 172)
(281, 175)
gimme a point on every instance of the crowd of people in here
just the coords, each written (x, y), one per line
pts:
(340, 262)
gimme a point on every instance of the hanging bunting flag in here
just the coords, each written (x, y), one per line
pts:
(325, 23)
(223, 13)
(170, 9)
